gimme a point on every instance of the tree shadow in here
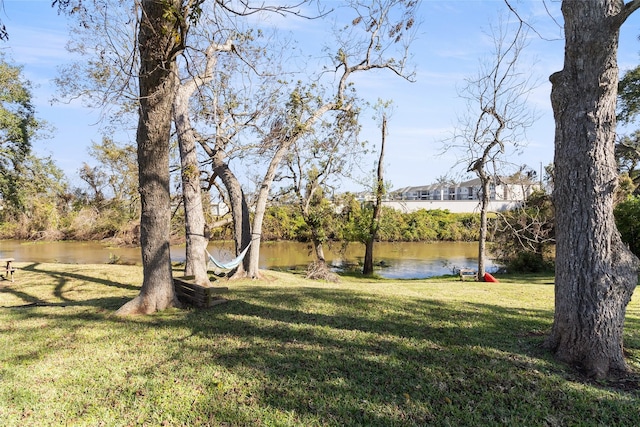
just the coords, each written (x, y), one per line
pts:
(61, 280)
(367, 360)
(436, 353)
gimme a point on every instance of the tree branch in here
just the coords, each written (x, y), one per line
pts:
(627, 10)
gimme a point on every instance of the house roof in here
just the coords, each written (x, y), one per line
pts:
(520, 180)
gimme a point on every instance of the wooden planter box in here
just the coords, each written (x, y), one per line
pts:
(196, 295)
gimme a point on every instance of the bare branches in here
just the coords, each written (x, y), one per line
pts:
(499, 96)
(531, 228)
(367, 43)
(106, 75)
(497, 117)
(245, 8)
(527, 24)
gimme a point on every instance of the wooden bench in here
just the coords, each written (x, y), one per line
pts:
(197, 295)
(8, 270)
(465, 272)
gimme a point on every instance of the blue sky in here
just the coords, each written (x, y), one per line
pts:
(451, 41)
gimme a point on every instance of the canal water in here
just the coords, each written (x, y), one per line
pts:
(412, 260)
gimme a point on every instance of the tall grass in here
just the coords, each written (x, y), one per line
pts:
(286, 351)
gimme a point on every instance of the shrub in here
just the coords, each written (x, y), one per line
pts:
(529, 262)
(523, 237)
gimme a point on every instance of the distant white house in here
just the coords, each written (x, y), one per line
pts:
(505, 193)
(502, 188)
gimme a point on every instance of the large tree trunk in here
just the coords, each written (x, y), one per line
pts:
(196, 241)
(595, 272)
(156, 41)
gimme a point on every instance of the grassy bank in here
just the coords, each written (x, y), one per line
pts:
(287, 351)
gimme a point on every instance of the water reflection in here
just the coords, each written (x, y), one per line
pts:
(394, 260)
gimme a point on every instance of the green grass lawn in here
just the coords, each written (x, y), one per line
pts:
(286, 351)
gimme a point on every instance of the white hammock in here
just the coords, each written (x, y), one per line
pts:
(230, 265)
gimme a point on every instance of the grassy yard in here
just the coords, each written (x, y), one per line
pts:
(286, 351)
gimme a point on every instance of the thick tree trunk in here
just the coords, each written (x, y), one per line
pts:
(196, 241)
(156, 41)
(595, 272)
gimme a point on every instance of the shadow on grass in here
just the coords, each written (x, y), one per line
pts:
(62, 279)
(341, 357)
(398, 362)
(375, 361)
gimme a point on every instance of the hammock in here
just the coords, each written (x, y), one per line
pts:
(231, 264)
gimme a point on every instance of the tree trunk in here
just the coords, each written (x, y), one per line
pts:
(595, 272)
(319, 250)
(367, 269)
(196, 241)
(156, 41)
(261, 204)
(482, 238)
(256, 234)
(239, 211)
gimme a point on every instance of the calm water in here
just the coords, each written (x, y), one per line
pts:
(398, 260)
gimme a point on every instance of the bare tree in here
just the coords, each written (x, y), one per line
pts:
(196, 240)
(524, 237)
(244, 92)
(496, 119)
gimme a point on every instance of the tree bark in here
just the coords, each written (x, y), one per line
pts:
(261, 205)
(157, 45)
(367, 269)
(596, 274)
(484, 207)
(196, 241)
(239, 210)
(319, 250)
